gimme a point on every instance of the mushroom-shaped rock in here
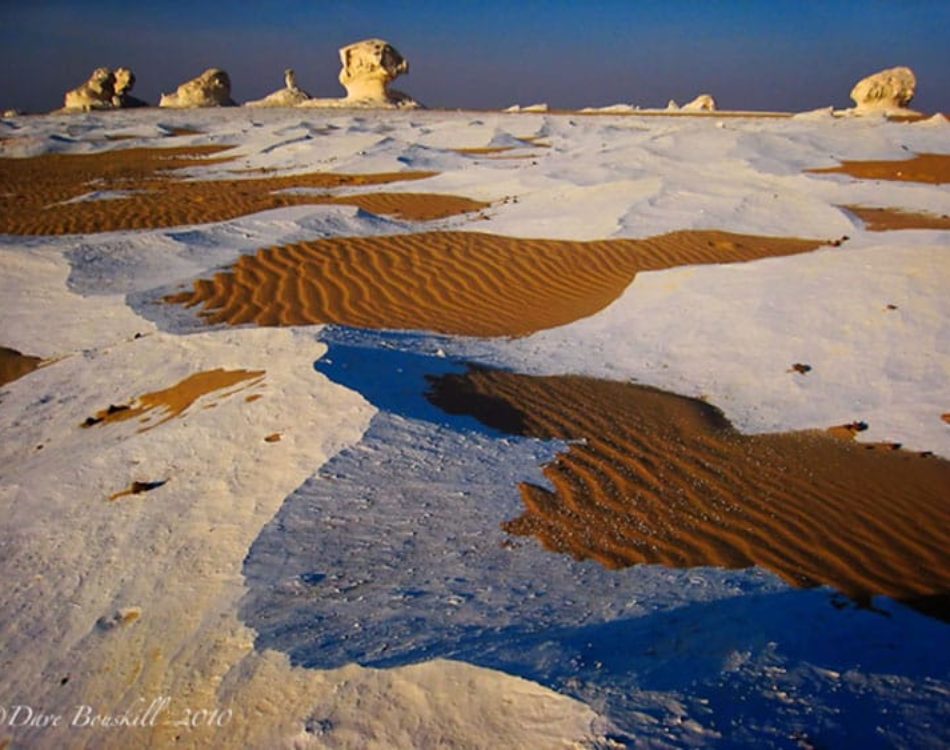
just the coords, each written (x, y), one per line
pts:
(96, 93)
(368, 69)
(889, 90)
(122, 98)
(211, 89)
(289, 96)
(702, 103)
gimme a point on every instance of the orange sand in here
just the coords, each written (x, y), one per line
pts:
(174, 401)
(532, 141)
(482, 150)
(137, 488)
(885, 219)
(667, 480)
(33, 192)
(454, 282)
(933, 169)
(14, 365)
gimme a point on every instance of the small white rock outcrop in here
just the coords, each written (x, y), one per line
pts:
(211, 89)
(95, 93)
(289, 96)
(702, 103)
(369, 67)
(887, 91)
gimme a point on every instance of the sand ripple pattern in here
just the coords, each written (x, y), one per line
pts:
(664, 479)
(887, 219)
(38, 196)
(463, 283)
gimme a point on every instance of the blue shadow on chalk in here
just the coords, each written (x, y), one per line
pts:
(777, 668)
(393, 371)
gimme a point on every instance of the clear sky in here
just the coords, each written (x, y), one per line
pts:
(765, 54)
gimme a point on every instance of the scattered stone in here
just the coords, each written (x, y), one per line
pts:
(211, 89)
(137, 488)
(124, 616)
(800, 368)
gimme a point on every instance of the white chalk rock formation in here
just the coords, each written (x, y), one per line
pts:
(122, 98)
(96, 93)
(702, 103)
(887, 91)
(542, 107)
(672, 106)
(368, 69)
(289, 96)
(211, 89)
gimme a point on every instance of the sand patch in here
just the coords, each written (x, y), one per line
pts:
(174, 401)
(667, 480)
(933, 169)
(529, 141)
(454, 282)
(886, 219)
(482, 150)
(14, 365)
(37, 195)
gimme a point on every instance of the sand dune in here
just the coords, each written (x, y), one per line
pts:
(933, 169)
(664, 479)
(454, 282)
(14, 365)
(173, 401)
(885, 219)
(68, 193)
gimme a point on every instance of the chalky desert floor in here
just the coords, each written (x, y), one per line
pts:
(471, 429)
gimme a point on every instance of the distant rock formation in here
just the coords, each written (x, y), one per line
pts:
(542, 107)
(211, 89)
(289, 96)
(124, 81)
(888, 91)
(702, 103)
(672, 106)
(368, 69)
(96, 93)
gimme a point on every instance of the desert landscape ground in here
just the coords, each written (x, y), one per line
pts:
(373, 429)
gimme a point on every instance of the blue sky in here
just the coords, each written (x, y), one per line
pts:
(771, 54)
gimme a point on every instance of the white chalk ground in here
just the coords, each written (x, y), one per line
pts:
(256, 580)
